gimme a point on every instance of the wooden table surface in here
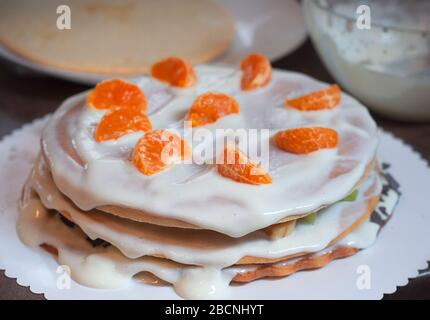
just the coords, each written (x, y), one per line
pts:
(25, 96)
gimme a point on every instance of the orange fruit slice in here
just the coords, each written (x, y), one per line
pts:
(175, 71)
(256, 72)
(209, 107)
(109, 94)
(237, 166)
(306, 140)
(158, 150)
(121, 121)
(327, 98)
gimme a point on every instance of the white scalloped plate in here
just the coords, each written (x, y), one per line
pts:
(403, 246)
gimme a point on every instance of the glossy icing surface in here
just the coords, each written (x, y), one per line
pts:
(95, 174)
(201, 247)
(107, 267)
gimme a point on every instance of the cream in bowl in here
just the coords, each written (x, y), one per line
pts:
(387, 65)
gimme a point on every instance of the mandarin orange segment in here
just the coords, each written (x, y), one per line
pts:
(209, 107)
(158, 150)
(256, 72)
(109, 94)
(175, 71)
(237, 166)
(327, 98)
(306, 140)
(121, 121)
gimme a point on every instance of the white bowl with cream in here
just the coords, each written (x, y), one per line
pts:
(387, 66)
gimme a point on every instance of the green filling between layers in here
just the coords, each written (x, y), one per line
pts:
(310, 218)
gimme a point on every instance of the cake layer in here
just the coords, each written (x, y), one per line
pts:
(141, 216)
(208, 248)
(115, 37)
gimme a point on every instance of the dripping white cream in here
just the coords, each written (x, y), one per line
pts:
(201, 247)
(108, 268)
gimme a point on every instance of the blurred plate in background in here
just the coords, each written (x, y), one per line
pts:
(273, 28)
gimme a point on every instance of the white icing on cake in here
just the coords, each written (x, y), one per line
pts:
(107, 268)
(102, 174)
(207, 248)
